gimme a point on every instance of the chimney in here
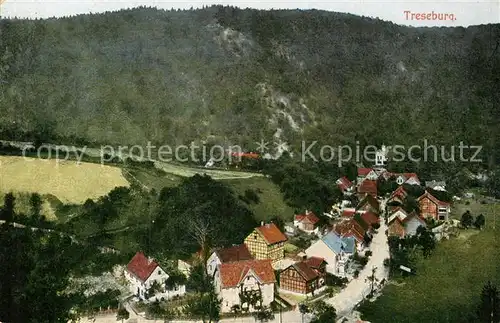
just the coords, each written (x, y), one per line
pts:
(261, 223)
(304, 257)
(268, 225)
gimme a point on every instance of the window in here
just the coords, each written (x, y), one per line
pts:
(255, 236)
(159, 272)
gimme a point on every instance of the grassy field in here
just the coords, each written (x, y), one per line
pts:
(68, 181)
(448, 284)
(271, 199)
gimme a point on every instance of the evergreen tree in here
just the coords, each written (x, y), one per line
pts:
(489, 308)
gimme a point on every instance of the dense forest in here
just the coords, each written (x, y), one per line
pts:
(236, 76)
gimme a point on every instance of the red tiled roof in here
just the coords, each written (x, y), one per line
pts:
(348, 213)
(370, 218)
(350, 228)
(400, 191)
(309, 217)
(271, 233)
(344, 183)
(364, 171)
(305, 271)
(410, 175)
(314, 262)
(235, 253)
(368, 186)
(370, 200)
(433, 199)
(249, 155)
(232, 273)
(141, 267)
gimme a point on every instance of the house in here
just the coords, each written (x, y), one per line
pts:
(348, 213)
(369, 203)
(370, 218)
(396, 228)
(433, 208)
(407, 178)
(352, 228)
(226, 255)
(345, 185)
(304, 277)
(267, 242)
(381, 156)
(397, 212)
(335, 250)
(236, 281)
(143, 273)
(307, 222)
(398, 196)
(403, 225)
(367, 187)
(366, 173)
(435, 185)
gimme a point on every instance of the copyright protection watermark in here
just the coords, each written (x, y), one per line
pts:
(426, 152)
(211, 154)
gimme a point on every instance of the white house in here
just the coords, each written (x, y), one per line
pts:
(335, 250)
(248, 277)
(435, 185)
(381, 156)
(141, 272)
(306, 222)
(227, 255)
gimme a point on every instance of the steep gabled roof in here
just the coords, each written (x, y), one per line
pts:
(337, 243)
(369, 199)
(364, 171)
(271, 233)
(433, 199)
(315, 262)
(414, 215)
(308, 217)
(394, 215)
(400, 192)
(348, 212)
(141, 266)
(370, 218)
(235, 253)
(350, 228)
(344, 183)
(305, 271)
(234, 272)
(368, 186)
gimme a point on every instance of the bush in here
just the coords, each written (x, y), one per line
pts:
(376, 226)
(356, 273)
(387, 262)
(368, 254)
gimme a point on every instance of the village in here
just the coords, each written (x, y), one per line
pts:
(340, 261)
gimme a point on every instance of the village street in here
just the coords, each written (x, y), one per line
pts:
(358, 288)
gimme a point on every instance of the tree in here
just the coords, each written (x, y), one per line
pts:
(38, 276)
(480, 221)
(373, 280)
(264, 314)
(36, 207)
(489, 308)
(467, 219)
(323, 313)
(426, 240)
(122, 314)
(204, 306)
(7, 212)
(304, 309)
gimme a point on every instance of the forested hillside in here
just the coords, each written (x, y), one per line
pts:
(237, 76)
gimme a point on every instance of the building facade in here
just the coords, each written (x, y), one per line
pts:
(267, 242)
